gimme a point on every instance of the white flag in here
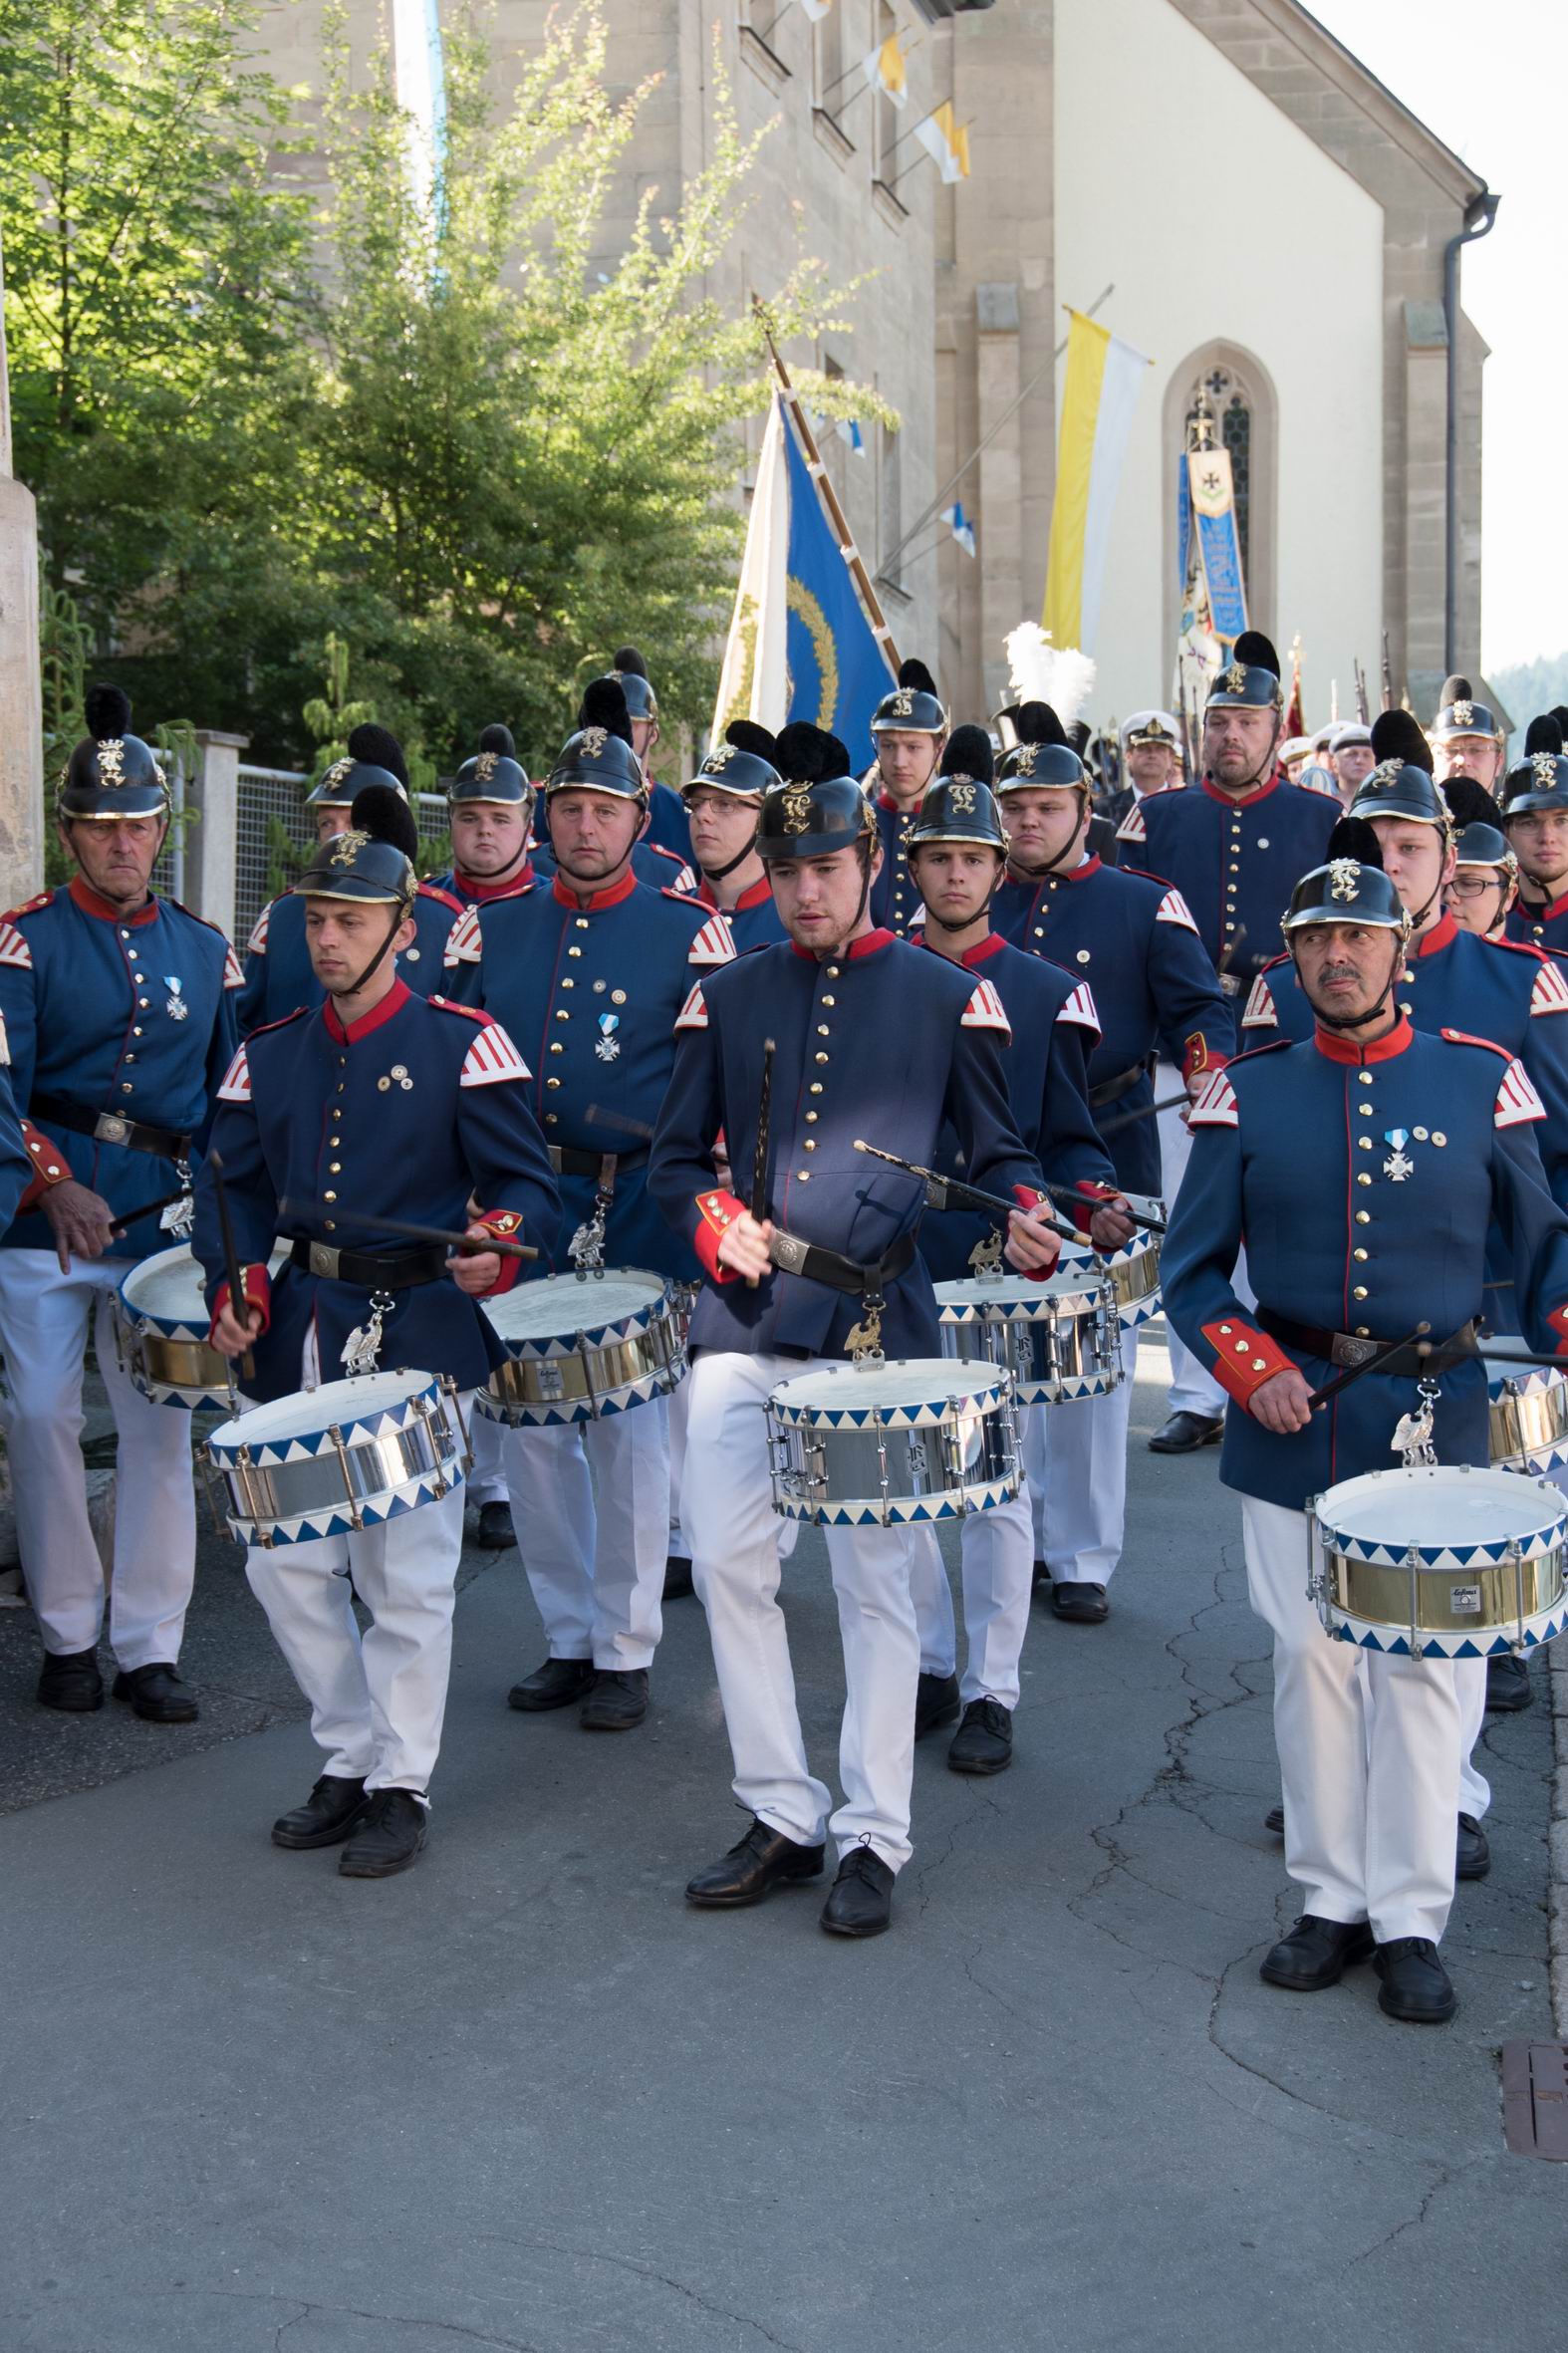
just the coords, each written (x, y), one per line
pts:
(754, 681)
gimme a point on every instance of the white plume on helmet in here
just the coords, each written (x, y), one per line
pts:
(1043, 672)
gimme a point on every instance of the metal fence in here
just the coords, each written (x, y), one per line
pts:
(273, 833)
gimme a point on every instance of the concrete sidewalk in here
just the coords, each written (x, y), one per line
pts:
(523, 2097)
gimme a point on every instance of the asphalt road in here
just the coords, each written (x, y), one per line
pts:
(523, 2097)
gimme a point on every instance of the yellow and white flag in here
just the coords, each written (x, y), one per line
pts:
(884, 70)
(946, 142)
(1104, 375)
(754, 681)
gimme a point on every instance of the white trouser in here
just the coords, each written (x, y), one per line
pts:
(44, 1320)
(997, 1552)
(377, 1700)
(596, 1566)
(1368, 1751)
(487, 1478)
(1475, 1788)
(1193, 1389)
(676, 1414)
(1075, 1458)
(735, 1568)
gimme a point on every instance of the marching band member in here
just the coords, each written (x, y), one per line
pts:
(782, 1293)
(722, 801)
(120, 1011)
(908, 727)
(1536, 819)
(1368, 1742)
(382, 1103)
(1234, 844)
(667, 816)
(1466, 735)
(1136, 944)
(1485, 878)
(957, 851)
(490, 803)
(278, 970)
(590, 973)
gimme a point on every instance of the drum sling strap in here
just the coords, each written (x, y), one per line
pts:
(1349, 1349)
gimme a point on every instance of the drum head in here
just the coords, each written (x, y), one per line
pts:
(311, 1411)
(1441, 1510)
(906, 1385)
(1008, 1297)
(171, 1286)
(558, 1307)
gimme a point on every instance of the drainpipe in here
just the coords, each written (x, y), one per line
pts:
(1479, 215)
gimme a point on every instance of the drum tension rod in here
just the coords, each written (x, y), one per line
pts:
(356, 1516)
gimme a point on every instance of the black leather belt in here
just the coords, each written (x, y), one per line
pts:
(1112, 1090)
(110, 1127)
(1349, 1349)
(568, 1160)
(840, 1274)
(376, 1270)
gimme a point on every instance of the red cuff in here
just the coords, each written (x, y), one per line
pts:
(1197, 1060)
(717, 1212)
(258, 1293)
(1244, 1358)
(1093, 1196)
(1029, 1200)
(507, 1227)
(50, 1166)
(1558, 1319)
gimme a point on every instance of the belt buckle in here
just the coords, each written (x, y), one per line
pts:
(1230, 983)
(110, 1128)
(789, 1252)
(554, 1150)
(1349, 1351)
(324, 1261)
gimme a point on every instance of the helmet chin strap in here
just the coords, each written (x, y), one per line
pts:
(823, 955)
(1265, 765)
(969, 922)
(716, 874)
(399, 912)
(520, 857)
(1037, 874)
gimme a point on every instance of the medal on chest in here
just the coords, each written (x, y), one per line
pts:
(176, 1006)
(1398, 1166)
(608, 1046)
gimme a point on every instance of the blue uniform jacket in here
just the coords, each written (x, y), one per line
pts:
(133, 1017)
(1054, 1032)
(1349, 1230)
(895, 900)
(471, 893)
(1134, 942)
(591, 994)
(885, 1042)
(1514, 996)
(1539, 926)
(278, 974)
(669, 827)
(412, 1110)
(1234, 861)
(754, 919)
(16, 1164)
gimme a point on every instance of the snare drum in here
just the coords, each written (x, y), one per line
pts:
(884, 1444)
(575, 1351)
(1440, 1562)
(1134, 1269)
(1528, 1414)
(350, 1455)
(161, 1333)
(1060, 1339)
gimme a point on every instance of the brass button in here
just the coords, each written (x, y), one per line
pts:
(1362, 1333)
(1359, 1254)
(832, 971)
(574, 951)
(135, 1033)
(819, 1057)
(556, 1046)
(329, 1196)
(816, 1085)
(552, 1120)
(143, 1002)
(552, 1082)
(1407, 975)
(827, 1000)
(1360, 1292)
(1367, 1110)
(126, 1087)
(810, 1144)
(1364, 1077)
(1363, 1216)
(1364, 1179)
(331, 1227)
(130, 1057)
(1405, 1008)
(1039, 934)
(1364, 1143)
(811, 1117)
(335, 1169)
(822, 1029)
(582, 923)
(1226, 1330)
(562, 1014)
(804, 1175)
(569, 983)
(1260, 1365)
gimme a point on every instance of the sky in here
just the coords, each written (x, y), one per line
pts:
(1491, 84)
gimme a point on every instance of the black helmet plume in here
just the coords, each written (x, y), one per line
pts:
(1543, 735)
(630, 663)
(378, 747)
(914, 673)
(112, 772)
(1396, 736)
(1354, 837)
(968, 754)
(603, 705)
(1036, 723)
(1471, 803)
(496, 739)
(107, 712)
(807, 755)
(747, 737)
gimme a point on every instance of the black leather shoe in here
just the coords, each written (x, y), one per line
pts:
(496, 1532)
(762, 1860)
(156, 1692)
(1317, 1953)
(1042, 1575)
(1507, 1683)
(70, 1681)
(330, 1811)
(554, 1685)
(1474, 1855)
(618, 1700)
(1415, 1985)
(387, 1839)
(1274, 1820)
(984, 1743)
(1184, 1433)
(859, 1901)
(1078, 1604)
(678, 1577)
(936, 1702)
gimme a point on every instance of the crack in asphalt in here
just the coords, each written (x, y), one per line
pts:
(589, 2254)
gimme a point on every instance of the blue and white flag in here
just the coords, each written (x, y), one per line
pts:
(849, 431)
(962, 528)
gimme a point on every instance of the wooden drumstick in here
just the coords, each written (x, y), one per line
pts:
(467, 1245)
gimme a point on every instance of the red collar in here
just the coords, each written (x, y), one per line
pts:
(755, 893)
(870, 944)
(476, 891)
(1537, 910)
(598, 898)
(981, 951)
(885, 800)
(392, 1002)
(1346, 1050)
(90, 903)
(1443, 934)
(1258, 792)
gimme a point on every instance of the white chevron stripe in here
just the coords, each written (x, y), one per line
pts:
(1517, 1100)
(714, 944)
(1079, 1007)
(233, 978)
(236, 1085)
(491, 1058)
(464, 940)
(985, 1010)
(693, 1014)
(1261, 1011)
(1174, 908)
(256, 945)
(1550, 993)
(14, 950)
(1217, 1106)
(1130, 828)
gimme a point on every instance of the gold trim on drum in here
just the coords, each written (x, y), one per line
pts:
(1491, 1598)
(1527, 1419)
(163, 1363)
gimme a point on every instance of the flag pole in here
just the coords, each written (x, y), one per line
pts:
(819, 474)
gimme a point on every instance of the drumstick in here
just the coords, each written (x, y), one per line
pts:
(971, 1193)
(1130, 1119)
(1065, 1192)
(466, 1244)
(1320, 1397)
(596, 1116)
(759, 1156)
(238, 1304)
(129, 1216)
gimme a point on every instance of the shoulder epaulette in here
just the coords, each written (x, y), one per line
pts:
(1462, 1037)
(1273, 1046)
(435, 891)
(1283, 958)
(264, 1027)
(28, 906)
(180, 907)
(468, 1012)
(1522, 947)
